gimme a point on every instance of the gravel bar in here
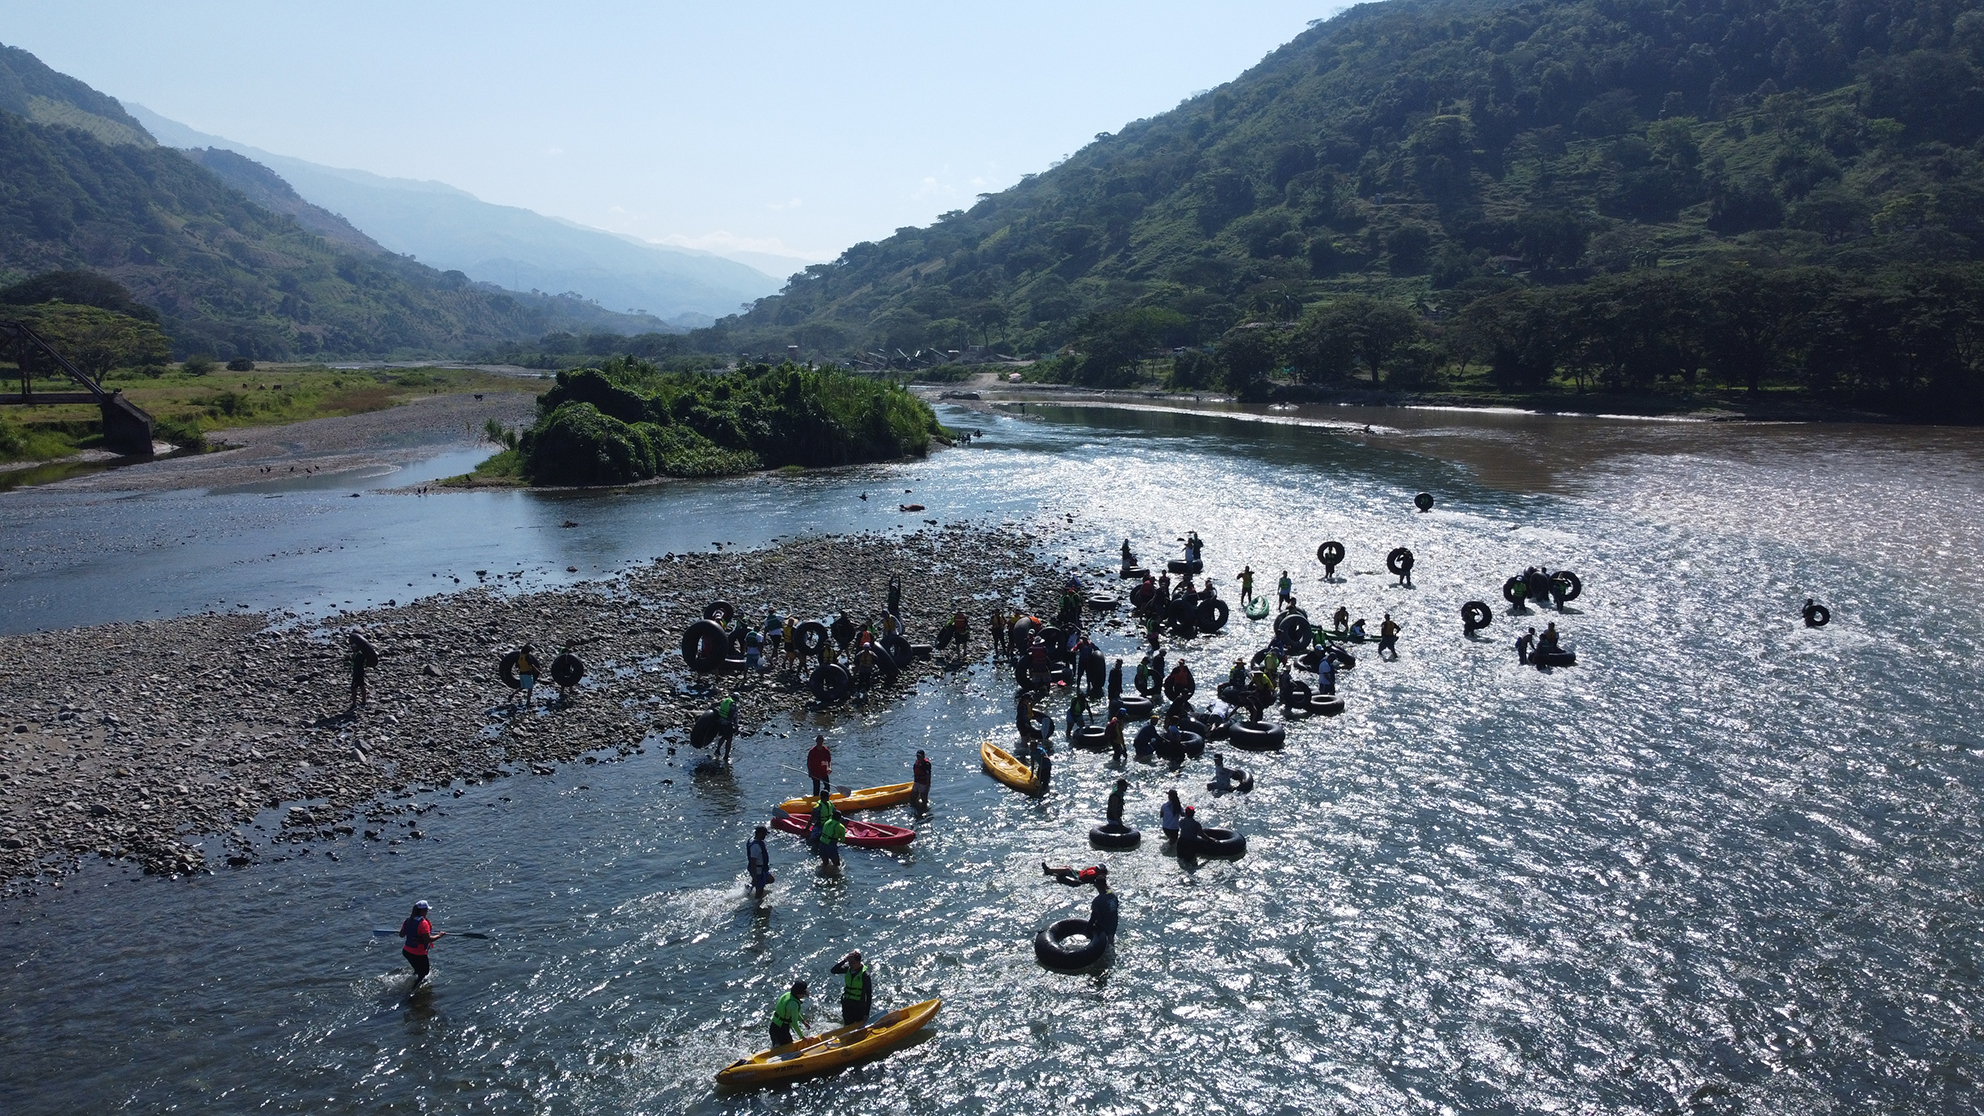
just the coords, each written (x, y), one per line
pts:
(130, 740)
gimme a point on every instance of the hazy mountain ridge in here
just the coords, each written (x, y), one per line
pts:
(228, 276)
(267, 189)
(516, 248)
(1432, 151)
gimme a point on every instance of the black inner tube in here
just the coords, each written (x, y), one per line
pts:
(1568, 585)
(1817, 616)
(704, 646)
(1053, 949)
(1475, 615)
(719, 611)
(1330, 553)
(567, 669)
(1399, 561)
(507, 670)
(1423, 501)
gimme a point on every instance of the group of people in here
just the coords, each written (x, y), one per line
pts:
(857, 999)
(1533, 649)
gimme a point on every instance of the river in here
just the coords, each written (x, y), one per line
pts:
(1726, 863)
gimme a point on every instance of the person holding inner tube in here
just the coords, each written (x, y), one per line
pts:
(1189, 829)
(527, 671)
(726, 728)
(857, 994)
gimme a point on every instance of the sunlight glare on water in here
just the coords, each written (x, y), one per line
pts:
(1725, 863)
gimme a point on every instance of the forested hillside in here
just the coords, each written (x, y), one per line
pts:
(82, 187)
(1560, 192)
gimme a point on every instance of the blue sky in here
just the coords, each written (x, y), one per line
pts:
(790, 128)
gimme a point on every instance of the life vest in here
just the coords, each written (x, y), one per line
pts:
(418, 934)
(856, 987)
(727, 708)
(787, 1011)
(834, 830)
(756, 855)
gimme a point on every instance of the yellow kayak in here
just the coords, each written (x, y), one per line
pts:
(867, 798)
(1003, 767)
(829, 1050)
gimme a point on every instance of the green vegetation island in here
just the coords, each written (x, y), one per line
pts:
(630, 420)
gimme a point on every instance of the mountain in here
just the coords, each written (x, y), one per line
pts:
(267, 189)
(83, 187)
(514, 248)
(1434, 153)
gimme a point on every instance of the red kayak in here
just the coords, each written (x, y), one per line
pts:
(860, 834)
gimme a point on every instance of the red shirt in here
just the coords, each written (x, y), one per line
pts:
(419, 934)
(818, 761)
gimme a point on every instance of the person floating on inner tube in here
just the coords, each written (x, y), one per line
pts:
(1223, 777)
(1388, 637)
(1129, 559)
(1813, 611)
(1284, 592)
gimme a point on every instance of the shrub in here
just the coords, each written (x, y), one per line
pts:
(240, 364)
(198, 365)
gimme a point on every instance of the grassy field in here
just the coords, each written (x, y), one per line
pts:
(188, 407)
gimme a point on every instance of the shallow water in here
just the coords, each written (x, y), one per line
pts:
(1726, 863)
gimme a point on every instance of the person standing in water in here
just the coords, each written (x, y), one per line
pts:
(919, 781)
(857, 994)
(419, 934)
(788, 1015)
(1114, 811)
(1284, 592)
(1388, 637)
(820, 765)
(1246, 584)
(1524, 642)
(758, 859)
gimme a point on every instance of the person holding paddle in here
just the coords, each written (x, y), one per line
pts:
(418, 934)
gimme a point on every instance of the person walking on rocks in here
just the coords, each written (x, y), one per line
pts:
(359, 656)
(895, 596)
(820, 765)
(527, 671)
(419, 935)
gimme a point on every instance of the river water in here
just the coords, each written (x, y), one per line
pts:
(1724, 864)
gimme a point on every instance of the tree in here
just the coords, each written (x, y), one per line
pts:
(97, 340)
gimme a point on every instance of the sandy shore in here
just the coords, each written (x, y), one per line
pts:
(411, 431)
(130, 740)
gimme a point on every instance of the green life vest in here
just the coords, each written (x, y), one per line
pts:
(856, 985)
(834, 830)
(786, 1011)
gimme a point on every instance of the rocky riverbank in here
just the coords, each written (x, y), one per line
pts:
(132, 740)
